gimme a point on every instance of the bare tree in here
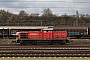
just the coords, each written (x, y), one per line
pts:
(47, 13)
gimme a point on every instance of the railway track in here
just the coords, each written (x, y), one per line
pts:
(44, 51)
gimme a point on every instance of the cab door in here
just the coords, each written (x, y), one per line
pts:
(47, 35)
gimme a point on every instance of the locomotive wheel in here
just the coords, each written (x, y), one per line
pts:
(28, 42)
(63, 43)
(60, 42)
(21, 42)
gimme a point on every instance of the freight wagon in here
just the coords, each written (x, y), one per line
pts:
(42, 36)
(75, 31)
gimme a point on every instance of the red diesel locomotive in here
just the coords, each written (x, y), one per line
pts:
(42, 36)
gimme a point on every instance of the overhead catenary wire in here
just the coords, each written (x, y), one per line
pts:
(68, 8)
(74, 2)
(48, 1)
(51, 7)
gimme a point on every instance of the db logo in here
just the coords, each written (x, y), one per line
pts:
(33, 34)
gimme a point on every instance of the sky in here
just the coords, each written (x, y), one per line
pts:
(58, 7)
